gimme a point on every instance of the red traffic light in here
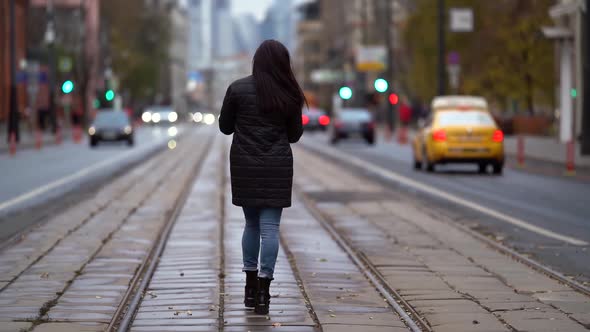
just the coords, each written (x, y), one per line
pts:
(393, 99)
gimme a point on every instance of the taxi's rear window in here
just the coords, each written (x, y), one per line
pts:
(468, 118)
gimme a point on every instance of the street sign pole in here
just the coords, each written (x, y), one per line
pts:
(390, 66)
(585, 144)
(13, 126)
(441, 48)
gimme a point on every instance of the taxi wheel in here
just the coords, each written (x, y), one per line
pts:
(429, 167)
(482, 168)
(417, 164)
(498, 169)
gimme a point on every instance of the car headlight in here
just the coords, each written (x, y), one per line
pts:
(172, 116)
(146, 117)
(198, 117)
(172, 131)
(155, 117)
(91, 131)
(128, 130)
(209, 119)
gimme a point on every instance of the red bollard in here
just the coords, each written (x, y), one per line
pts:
(12, 144)
(520, 150)
(570, 167)
(402, 136)
(58, 136)
(77, 134)
(38, 140)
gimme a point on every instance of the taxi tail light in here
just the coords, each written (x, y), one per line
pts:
(498, 136)
(439, 135)
(324, 120)
(304, 119)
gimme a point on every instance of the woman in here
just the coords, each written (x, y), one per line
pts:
(263, 111)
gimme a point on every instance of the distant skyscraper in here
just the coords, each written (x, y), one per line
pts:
(247, 33)
(200, 37)
(224, 41)
(279, 23)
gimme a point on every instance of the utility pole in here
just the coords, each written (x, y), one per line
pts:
(585, 142)
(390, 21)
(50, 39)
(441, 48)
(13, 126)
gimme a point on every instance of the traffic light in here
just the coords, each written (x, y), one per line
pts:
(393, 99)
(345, 93)
(574, 93)
(67, 87)
(381, 85)
(109, 95)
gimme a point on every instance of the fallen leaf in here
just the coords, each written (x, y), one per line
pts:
(190, 313)
(276, 324)
(169, 307)
(44, 275)
(332, 315)
(98, 297)
(475, 322)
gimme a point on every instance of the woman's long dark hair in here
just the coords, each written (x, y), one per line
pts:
(276, 86)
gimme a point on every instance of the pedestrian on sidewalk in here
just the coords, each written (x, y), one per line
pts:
(263, 111)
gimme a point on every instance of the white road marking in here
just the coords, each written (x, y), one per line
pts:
(394, 176)
(55, 184)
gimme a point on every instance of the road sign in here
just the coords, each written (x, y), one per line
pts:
(461, 19)
(371, 58)
(65, 64)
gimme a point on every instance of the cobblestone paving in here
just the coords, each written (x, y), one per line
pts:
(91, 255)
(456, 282)
(183, 294)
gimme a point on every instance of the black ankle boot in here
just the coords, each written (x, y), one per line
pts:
(250, 289)
(262, 296)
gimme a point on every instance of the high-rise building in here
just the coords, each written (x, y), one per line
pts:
(279, 23)
(247, 33)
(200, 40)
(224, 40)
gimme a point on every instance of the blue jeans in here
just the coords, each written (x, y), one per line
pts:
(261, 235)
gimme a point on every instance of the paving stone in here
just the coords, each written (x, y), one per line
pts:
(14, 326)
(70, 327)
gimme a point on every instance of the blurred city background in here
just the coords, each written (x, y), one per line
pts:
(441, 184)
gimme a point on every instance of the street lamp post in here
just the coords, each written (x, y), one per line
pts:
(13, 125)
(585, 142)
(50, 40)
(441, 48)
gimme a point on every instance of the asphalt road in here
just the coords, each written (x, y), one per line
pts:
(41, 180)
(554, 207)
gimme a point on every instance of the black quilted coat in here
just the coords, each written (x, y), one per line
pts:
(261, 161)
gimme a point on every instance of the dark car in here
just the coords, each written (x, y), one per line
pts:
(110, 125)
(353, 122)
(315, 119)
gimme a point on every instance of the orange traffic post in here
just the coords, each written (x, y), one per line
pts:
(77, 134)
(520, 150)
(38, 140)
(570, 168)
(12, 143)
(58, 136)
(402, 136)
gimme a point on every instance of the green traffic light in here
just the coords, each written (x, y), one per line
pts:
(381, 85)
(345, 92)
(67, 87)
(109, 95)
(574, 93)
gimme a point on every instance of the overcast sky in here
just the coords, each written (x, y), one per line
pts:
(255, 7)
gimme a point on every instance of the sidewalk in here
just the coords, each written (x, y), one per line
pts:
(27, 140)
(545, 149)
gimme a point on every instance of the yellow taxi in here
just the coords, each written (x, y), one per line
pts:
(460, 129)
